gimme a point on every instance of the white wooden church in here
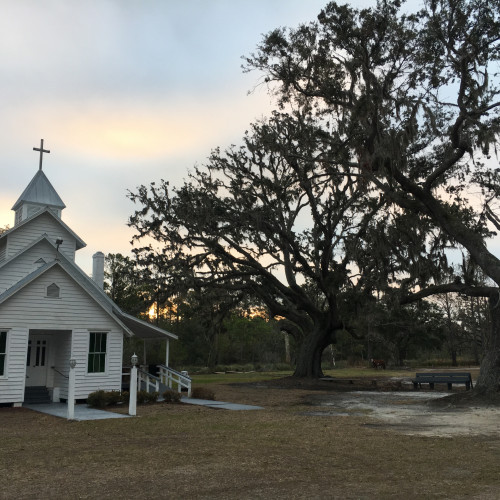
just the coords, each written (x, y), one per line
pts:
(51, 311)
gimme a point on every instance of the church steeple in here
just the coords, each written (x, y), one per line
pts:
(38, 194)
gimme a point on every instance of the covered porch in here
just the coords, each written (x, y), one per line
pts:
(47, 365)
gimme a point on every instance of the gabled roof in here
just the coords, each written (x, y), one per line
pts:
(133, 326)
(44, 237)
(41, 192)
(25, 281)
(79, 242)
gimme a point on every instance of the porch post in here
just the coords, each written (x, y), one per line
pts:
(167, 353)
(71, 389)
(132, 403)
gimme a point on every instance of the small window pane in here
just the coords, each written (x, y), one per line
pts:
(3, 351)
(102, 362)
(97, 353)
(28, 357)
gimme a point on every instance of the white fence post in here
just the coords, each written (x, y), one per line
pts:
(132, 404)
(71, 389)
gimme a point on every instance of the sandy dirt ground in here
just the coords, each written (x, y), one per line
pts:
(388, 403)
(412, 412)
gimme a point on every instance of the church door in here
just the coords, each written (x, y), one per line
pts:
(37, 360)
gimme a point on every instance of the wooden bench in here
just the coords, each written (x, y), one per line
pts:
(449, 378)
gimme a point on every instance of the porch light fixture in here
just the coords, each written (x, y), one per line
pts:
(72, 363)
(134, 359)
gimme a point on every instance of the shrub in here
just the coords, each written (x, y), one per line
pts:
(144, 397)
(113, 397)
(101, 399)
(97, 399)
(171, 396)
(203, 393)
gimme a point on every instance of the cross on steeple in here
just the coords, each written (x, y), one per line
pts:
(41, 153)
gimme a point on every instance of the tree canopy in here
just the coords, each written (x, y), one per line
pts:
(265, 220)
(384, 140)
(416, 97)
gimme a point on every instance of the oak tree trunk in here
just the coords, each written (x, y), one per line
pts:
(489, 376)
(310, 352)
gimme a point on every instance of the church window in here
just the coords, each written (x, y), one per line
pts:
(97, 352)
(53, 291)
(3, 352)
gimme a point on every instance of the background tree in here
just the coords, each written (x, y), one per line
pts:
(208, 309)
(415, 99)
(123, 284)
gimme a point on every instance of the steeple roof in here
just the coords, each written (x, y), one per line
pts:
(41, 192)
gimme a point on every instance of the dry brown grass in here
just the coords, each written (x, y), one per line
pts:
(184, 451)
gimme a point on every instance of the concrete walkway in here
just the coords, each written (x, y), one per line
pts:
(220, 404)
(82, 412)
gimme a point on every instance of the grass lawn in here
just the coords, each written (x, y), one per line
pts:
(182, 451)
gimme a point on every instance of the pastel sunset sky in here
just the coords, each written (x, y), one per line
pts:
(124, 93)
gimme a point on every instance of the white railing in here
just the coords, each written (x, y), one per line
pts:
(147, 382)
(172, 378)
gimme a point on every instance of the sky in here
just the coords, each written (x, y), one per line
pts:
(125, 93)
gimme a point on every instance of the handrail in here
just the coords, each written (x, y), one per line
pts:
(150, 375)
(148, 379)
(57, 371)
(169, 377)
(174, 371)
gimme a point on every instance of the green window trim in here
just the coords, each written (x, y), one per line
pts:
(3, 352)
(97, 352)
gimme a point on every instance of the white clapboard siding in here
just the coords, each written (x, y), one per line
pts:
(33, 229)
(16, 269)
(74, 310)
(12, 384)
(85, 383)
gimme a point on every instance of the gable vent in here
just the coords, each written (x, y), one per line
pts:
(53, 291)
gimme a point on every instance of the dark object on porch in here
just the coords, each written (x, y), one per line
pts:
(442, 378)
(37, 394)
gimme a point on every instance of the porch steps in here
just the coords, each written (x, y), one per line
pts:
(36, 395)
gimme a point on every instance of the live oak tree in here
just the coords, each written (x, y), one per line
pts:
(266, 220)
(415, 98)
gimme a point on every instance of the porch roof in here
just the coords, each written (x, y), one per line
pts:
(141, 328)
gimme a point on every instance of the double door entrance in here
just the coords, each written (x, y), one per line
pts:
(37, 360)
